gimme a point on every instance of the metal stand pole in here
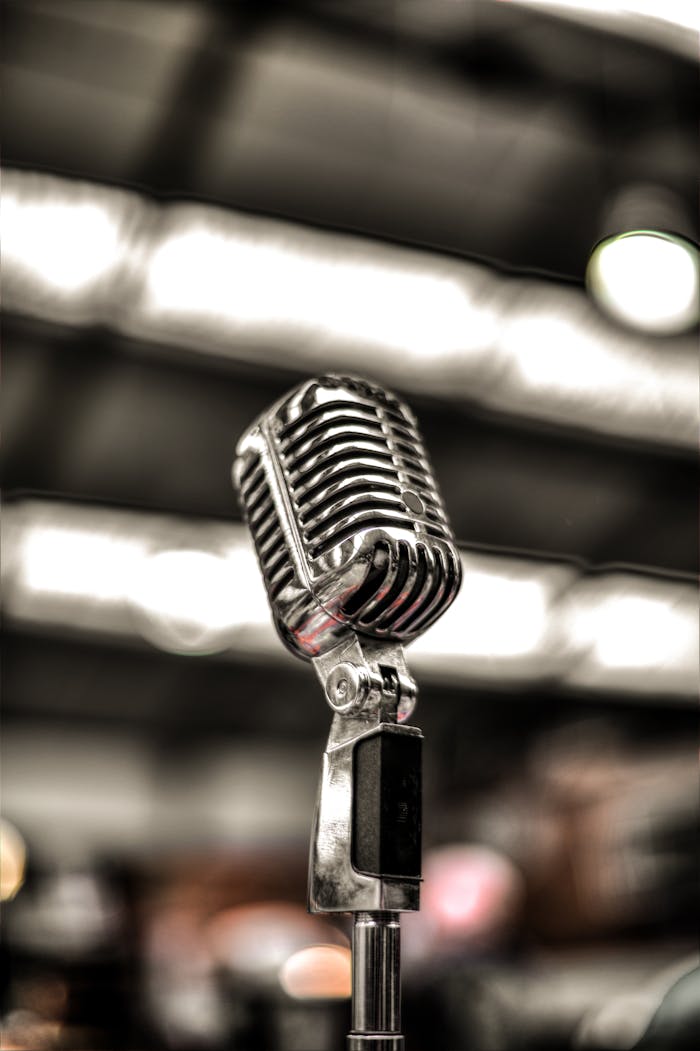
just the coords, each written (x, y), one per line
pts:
(376, 983)
(366, 843)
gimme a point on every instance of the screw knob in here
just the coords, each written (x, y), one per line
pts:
(347, 687)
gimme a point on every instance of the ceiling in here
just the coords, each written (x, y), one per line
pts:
(483, 130)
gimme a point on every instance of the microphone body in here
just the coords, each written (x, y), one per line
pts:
(358, 558)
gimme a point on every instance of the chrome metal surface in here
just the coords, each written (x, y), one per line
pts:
(334, 884)
(376, 982)
(348, 525)
(347, 687)
(374, 1042)
(378, 683)
(376, 1006)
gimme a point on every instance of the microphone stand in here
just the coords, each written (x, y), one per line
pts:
(366, 839)
(376, 982)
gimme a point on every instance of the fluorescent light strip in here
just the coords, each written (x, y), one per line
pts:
(197, 590)
(669, 24)
(679, 13)
(266, 292)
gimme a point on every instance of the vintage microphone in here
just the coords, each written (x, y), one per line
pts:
(358, 558)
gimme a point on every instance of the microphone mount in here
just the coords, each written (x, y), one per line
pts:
(363, 675)
(365, 844)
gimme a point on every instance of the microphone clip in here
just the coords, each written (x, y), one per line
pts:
(366, 839)
(368, 679)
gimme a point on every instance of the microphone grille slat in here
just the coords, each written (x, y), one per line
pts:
(373, 584)
(289, 433)
(413, 601)
(340, 510)
(278, 585)
(263, 521)
(393, 592)
(335, 494)
(448, 577)
(330, 454)
(343, 425)
(332, 477)
(432, 590)
(368, 520)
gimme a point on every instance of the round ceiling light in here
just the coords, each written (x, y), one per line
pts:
(647, 279)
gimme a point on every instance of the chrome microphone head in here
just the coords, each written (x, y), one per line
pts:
(348, 525)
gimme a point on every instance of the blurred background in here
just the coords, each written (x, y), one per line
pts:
(489, 207)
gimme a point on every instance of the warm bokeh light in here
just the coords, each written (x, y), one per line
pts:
(255, 941)
(25, 1030)
(319, 972)
(13, 856)
(470, 898)
(648, 280)
(469, 890)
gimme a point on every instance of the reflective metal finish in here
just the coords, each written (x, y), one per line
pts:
(334, 885)
(348, 526)
(375, 1042)
(376, 1004)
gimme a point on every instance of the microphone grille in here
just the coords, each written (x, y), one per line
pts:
(341, 500)
(353, 456)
